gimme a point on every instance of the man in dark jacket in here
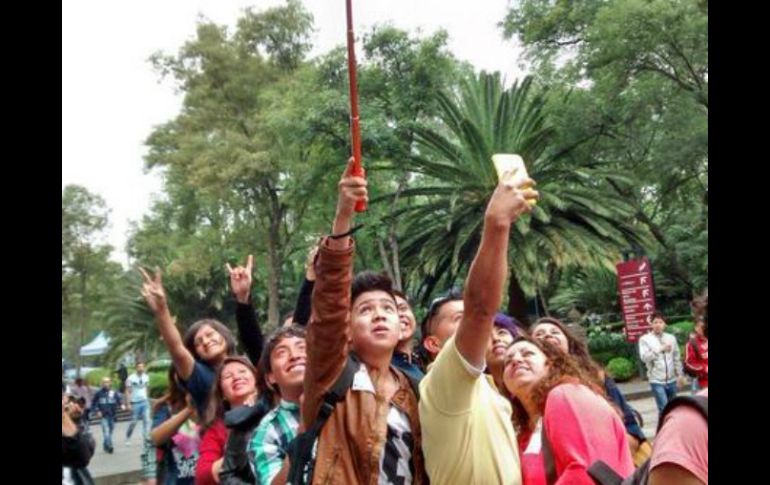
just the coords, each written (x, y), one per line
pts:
(106, 403)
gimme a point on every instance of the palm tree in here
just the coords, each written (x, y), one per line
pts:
(130, 323)
(588, 290)
(578, 220)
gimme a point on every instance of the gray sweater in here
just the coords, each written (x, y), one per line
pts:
(662, 367)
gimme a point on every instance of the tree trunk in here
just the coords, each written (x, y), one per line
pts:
(517, 301)
(274, 257)
(385, 260)
(397, 283)
(83, 314)
(273, 280)
(543, 305)
(393, 239)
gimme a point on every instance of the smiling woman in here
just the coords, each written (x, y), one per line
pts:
(562, 419)
(554, 331)
(196, 355)
(236, 385)
(209, 341)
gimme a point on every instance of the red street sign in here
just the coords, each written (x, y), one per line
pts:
(637, 296)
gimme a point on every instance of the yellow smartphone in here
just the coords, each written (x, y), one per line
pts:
(510, 162)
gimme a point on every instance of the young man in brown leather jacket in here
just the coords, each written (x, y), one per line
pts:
(373, 433)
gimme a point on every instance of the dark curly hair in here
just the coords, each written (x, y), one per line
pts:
(577, 348)
(562, 369)
(700, 306)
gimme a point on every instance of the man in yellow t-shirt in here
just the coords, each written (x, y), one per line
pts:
(467, 434)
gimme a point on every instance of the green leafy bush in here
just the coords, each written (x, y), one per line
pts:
(621, 369)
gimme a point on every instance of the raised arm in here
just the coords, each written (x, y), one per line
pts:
(486, 277)
(249, 332)
(304, 298)
(327, 333)
(153, 292)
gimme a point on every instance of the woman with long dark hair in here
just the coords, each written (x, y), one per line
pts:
(196, 356)
(176, 434)
(553, 331)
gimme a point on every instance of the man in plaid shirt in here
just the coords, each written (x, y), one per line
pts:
(283, 365)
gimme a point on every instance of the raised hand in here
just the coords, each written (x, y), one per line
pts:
(153, 292)
(309, 266)
(351, 189)
(511, 199)
(240, 279)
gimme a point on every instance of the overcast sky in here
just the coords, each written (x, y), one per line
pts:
(111, 98)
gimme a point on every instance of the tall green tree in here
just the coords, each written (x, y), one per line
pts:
(638, 73)
(223, 143)
(87, 272)
(400, 76)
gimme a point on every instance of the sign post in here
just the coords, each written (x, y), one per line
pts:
(637, 296)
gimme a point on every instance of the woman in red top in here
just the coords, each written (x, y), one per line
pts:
(697, 356)
(236, 386)
(553, 331)
(554, 398)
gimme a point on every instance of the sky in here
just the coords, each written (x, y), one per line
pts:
(112, 99)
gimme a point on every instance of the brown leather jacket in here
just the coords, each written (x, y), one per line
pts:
(351, 442)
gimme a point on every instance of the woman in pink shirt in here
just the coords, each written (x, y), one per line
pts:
(558, 406)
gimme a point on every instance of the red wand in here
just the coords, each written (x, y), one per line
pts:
(355, 128)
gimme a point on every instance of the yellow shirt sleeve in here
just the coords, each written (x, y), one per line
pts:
(448, 385)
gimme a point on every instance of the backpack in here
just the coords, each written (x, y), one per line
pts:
(241, 421)
(604, 475)
(301, 448)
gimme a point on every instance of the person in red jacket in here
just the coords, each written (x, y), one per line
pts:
(697, 356)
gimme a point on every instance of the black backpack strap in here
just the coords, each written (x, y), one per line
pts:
(602, 474)
(415, 383)
(341, 385)
(548, 461)
(699, 403)
(301, 448)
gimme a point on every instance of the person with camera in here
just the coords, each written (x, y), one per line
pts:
(77, 444)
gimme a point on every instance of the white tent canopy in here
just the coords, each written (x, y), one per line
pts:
(97, 346)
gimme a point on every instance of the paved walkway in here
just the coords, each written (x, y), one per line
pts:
(125, 459)
(112, 469)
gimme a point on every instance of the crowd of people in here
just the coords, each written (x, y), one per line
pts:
(342, 393)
